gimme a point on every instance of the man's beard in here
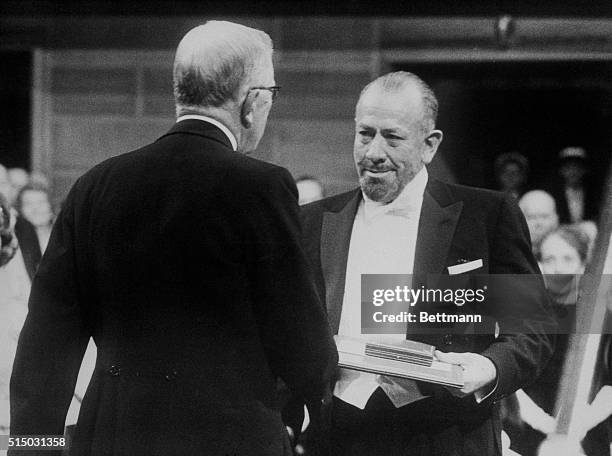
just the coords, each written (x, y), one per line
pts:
(378, 189)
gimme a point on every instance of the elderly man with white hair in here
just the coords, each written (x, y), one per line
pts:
(540, 211)
(183, 261)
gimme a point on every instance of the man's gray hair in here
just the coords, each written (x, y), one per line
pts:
(214, 60)
(399, 80)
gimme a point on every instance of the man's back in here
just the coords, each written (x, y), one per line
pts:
(182, 260)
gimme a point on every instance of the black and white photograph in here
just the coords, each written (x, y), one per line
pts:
(305, 228)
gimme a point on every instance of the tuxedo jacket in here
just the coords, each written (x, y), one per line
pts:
(457, 224)
(183, 261)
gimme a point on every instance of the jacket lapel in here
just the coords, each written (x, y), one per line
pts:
(439, 217)
(335, 241)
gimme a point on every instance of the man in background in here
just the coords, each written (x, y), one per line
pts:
(182, 260)
(540, 211)
(512, 173)
(401, 221)
(576, 192)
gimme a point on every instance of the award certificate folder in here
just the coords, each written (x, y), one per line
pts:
(352, 355)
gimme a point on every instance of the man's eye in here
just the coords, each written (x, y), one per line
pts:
(366, 133)
(393, 137)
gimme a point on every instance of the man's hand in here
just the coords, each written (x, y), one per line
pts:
(478, 371)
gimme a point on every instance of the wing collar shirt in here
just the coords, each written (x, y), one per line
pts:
(216, 123)
(383, 241)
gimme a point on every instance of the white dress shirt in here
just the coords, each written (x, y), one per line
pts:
(216, 123)
(383, 241)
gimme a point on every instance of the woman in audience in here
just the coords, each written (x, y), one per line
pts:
(512, 173)
(8, 243)
(34, 205)
(14, 290)
(563, 257)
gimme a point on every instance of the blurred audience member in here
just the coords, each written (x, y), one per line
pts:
(541, 214)
(564, 250)
(8, 242)
(34, 205)
(40, 180)
(576, 196)
(310, 189)
(589, 228)
(5, 185)
(18, 178)
(528, 419)
(14, 293)
(563, 256)
(512, 173)
(28, 245)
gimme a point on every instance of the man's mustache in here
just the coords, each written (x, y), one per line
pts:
(374, 168)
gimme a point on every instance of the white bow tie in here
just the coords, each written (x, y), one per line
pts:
(374, 210)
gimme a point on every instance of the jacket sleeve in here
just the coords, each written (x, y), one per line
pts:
(53, 340)
(291, 318)
(526, 325)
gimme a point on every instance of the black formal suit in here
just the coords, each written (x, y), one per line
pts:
(592, 198)
(28, 244)
(456, 224)
(183, 261)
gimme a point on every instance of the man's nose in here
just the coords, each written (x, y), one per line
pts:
(376, 153)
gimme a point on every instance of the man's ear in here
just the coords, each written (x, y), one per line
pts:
(432, 141)
(246, 113)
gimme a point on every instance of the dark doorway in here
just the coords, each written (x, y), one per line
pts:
(15, 87)
(536, 108)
